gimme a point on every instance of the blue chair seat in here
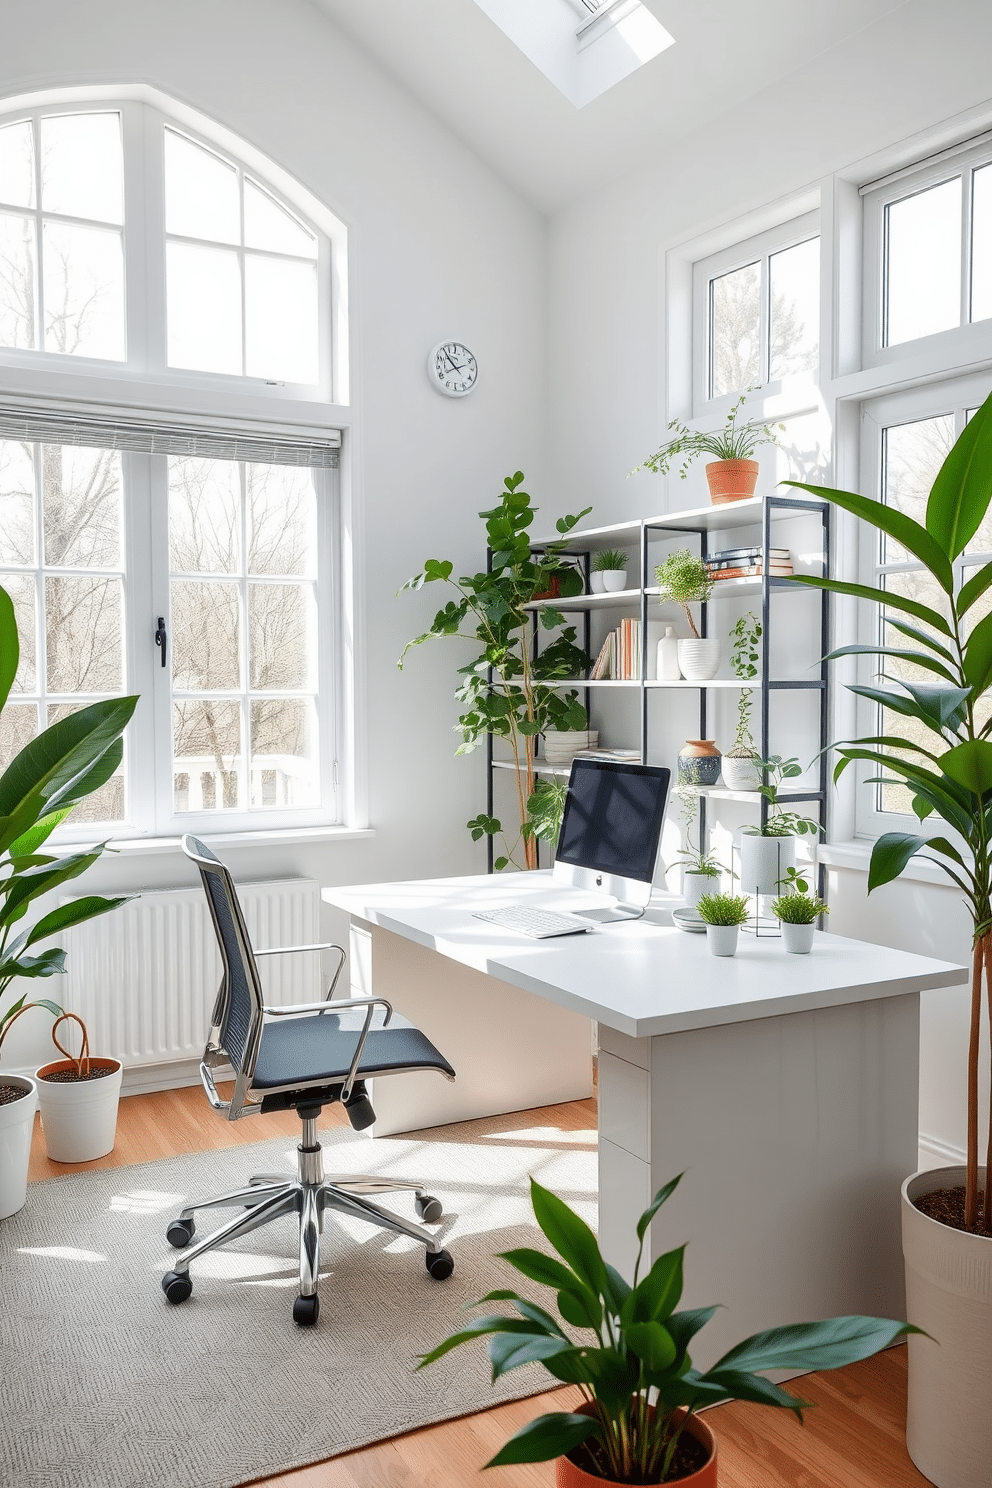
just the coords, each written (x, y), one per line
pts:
(320, 1048)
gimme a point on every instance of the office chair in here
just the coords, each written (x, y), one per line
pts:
(300, 1058)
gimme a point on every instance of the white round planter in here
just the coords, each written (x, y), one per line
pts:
(79, 1117)
(16, 1127)
(614, 579)
(740, 773)
(695, 885)
(561, 746)
(722, 939)
(699, 661)
(764, 861)
(596, 585)
(797, 938)
(949, 1295)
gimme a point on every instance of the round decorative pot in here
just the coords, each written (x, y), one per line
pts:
(562, 745)
(731, 480)
(797, 938)
(16, 1128)
(699, 762)
(764, 861)
(695, 885)
(79, 1117)
(596, 585)
(740, 772)
(699, 661)
(614, 578)
(569, 1475)
(949, 1295)
(722, 939)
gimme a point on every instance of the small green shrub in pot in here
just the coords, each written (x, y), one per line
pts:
(724, 914)
(609, 560)
(798, 909)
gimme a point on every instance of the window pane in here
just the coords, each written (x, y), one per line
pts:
(84, 291)
(18, 726)
(281, 626)
(205, 635)
(268, 225)
(16, 502)
(794, 310)
(82, 166)
(204, 308)
(82, 506)
(280, 319)
(912, 455)
(204, 516)
(201, 192)
(18, 309)
(17, 164)
(981, 244)
(21, 588)
(83, 633)
(105, 804)
(283, 753)
(923, 263)
(282, 520)
(919, 585)
(735, 331)
(207, 764)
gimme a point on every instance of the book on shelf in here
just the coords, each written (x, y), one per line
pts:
(737, 555)
(619, 659)
(603, 665)
(752, 571)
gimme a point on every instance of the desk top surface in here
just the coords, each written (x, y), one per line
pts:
(641, 977)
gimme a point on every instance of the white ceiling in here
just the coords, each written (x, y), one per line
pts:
(461, 66)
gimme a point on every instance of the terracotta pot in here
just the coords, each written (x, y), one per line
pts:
(567, 1475)
(731, 480)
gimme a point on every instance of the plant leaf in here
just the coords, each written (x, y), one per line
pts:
(973, 589)
(739, 1385)
(74, 913)
(571, 1236)
(544, 1438)
(889, 856)
(970, 764)
(915, 658)
(959, 497)
(831, 1344)
(654, 1298)
(542, 1268)
(10, 649)
(510, 1350)
(661, 1197)
(888, 598)
(895, 524)
(652, 1343)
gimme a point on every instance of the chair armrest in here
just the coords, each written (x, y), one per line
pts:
(371, 1003)
(324, 945)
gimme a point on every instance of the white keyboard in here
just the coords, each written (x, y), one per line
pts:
(540, 924)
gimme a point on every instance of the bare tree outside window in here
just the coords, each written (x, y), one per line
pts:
(791, 320)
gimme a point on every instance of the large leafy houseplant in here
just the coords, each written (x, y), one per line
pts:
(38, 790)
(944, 754)
(634, 1371)
(508, 689)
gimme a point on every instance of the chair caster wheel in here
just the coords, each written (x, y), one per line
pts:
(180, 1232)
(306, 1311)
(440, 1264)
(429, 1209)
(177, 1286)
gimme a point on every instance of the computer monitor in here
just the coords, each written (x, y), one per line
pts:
(610, 831)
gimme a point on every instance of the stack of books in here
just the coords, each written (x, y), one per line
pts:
(748, 563)
(620, 657)
(615, 756)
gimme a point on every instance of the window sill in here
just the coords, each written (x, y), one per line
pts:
(278, 837)
(855, 856)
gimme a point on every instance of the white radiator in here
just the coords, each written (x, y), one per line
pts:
(144, 978)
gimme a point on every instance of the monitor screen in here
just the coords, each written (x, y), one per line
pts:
(613, 816)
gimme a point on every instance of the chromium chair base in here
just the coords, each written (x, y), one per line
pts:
(311, 1194)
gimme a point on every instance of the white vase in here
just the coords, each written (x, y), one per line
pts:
(614, 578)
(668, 656)
(740, 772)
(695, 885)
(79, 1117)
(562, 745)
(765, 861)
(699, 661)
(722, 939)
(797, 938)
(16, 1128)
(596, 585)
(949, 1296)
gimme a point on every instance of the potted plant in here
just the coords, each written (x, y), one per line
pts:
(683, 578)
(78, 1100)
(724, 915)
(507, 691)
(639, 1422)
(944, 756)
(609, 571)
(797, 912)
(38, 790)
(740, 764)
(732, 474)
(700, 871)
(769, 851)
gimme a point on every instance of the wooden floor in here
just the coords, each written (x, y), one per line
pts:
(854, 1438)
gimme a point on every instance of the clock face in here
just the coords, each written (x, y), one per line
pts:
(452, 369)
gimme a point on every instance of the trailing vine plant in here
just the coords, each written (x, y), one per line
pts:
(743, 663)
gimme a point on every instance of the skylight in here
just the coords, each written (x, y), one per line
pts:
(584, 47)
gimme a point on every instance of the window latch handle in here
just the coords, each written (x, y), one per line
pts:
(161, 638)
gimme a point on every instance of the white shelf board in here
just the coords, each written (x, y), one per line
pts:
(724, 518)
(541, 767)
(715, 682)
(599, 682)
(591, 601)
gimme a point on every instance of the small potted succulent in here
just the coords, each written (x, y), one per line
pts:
(724, 914)
(740, 764)
(627, 1348)
(684, 580)
(768, 852)
(732, 474)
(797, 912)
(608, 571)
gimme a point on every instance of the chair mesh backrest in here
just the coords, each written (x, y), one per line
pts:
(243, 1000)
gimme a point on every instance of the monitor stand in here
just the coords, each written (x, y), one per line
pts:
(618, 911)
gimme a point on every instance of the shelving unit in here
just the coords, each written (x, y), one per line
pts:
(639, 535)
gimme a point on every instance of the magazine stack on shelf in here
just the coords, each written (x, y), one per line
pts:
(748, 563)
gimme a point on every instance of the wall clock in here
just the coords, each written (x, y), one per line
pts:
(452, 369)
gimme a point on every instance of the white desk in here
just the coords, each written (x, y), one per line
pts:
(785, 1086)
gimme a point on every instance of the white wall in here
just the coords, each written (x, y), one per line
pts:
(920, 66)
(439, 247)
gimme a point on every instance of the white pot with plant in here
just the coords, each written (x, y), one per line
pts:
(797, 911)
(740, 764)
(683, 579)
(768, 852)
(610, 568)
(724, 914)
(18, 1104)
(562, 745)
(733, 472)
(78, 1099)
(700, 871)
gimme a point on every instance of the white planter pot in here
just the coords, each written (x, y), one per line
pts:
(16, 1128)
(699, 661)
(764, 861)
(79, 1117)
(695, 885)
(561, 747)
(722, 939)
(949, 1295)
(596, 585)
(740, 773)
(614, 578)
(797, 938)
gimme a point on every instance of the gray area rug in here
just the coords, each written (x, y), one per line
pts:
(104, 1385)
